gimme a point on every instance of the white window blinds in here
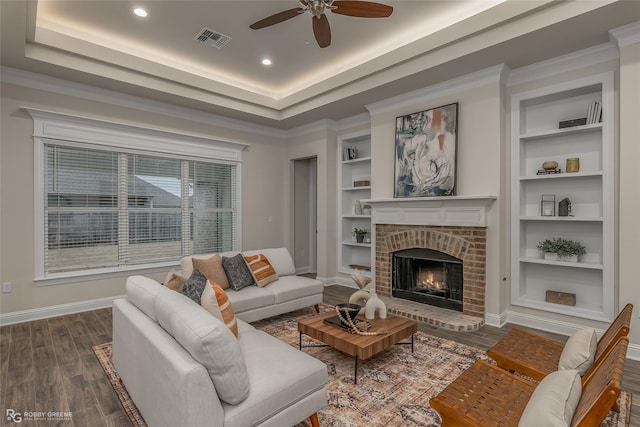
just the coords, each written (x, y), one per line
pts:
(108, 209)
(114, 198)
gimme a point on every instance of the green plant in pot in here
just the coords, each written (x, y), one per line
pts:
(562, 249)
(360, 233)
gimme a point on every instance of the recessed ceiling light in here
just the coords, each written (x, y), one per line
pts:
(266, 61)
(140, 12)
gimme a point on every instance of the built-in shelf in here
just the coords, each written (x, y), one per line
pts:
(536, 138)
(349, 171)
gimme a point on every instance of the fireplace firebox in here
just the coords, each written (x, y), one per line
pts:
(428, 276)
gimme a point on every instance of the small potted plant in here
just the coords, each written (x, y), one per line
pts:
(560, 249)
(360, 233)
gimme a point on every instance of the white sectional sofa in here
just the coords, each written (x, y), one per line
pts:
(184, 367)
(288, 293)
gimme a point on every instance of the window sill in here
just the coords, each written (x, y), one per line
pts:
(82, 276)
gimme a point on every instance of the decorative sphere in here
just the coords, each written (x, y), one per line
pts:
(550, 165)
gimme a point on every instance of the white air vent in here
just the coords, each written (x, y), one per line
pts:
(212, 38)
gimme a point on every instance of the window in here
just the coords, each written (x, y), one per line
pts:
(109, 208)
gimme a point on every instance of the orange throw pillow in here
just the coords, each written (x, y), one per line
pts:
(215, 300)
(261, 269)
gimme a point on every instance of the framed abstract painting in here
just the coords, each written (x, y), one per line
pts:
(425, 163)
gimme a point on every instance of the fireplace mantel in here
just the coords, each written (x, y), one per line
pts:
(441, 211)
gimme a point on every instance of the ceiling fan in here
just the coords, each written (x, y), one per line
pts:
(321, 29)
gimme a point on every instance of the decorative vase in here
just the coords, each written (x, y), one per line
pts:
(359, 238)
(573, 165)
(360, 297)
(564, 207)
(375, 304)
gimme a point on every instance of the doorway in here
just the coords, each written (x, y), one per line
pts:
(305, 208)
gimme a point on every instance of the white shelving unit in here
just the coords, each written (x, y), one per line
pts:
(536, 138)
(359, 169)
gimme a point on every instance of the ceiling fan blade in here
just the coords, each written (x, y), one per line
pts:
(277, 18)
(321, 30)
(362, 9)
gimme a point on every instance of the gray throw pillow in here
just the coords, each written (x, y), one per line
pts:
(194, 286)
(237, 272)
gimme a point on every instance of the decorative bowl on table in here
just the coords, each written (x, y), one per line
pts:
(348, 311)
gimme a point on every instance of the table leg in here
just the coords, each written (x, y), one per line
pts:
(300, 345)
(355, 372)
(412, 335)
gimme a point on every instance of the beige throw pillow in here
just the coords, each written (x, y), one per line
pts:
(554, 400)
(212, 269)
(579, 351)
(175, 281)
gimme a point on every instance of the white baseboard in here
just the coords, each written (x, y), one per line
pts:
(55, 310)
(496, 320)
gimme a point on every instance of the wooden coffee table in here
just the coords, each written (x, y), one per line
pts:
(359, 346)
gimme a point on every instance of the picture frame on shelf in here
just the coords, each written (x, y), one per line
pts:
(425, 152)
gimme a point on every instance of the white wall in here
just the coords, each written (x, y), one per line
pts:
(629, 193)
(263, 178)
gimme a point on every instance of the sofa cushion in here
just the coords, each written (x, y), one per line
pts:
(212, 269)
(290, 288)
(174, 281)
(237, 271)
(280, 376)
(280, 259)
(186, 262)
(553, 401)
(142, 291)
(194, 286)
(250, 297)
(261, 269)
(579, 351)
(208, 341)
(216, 302)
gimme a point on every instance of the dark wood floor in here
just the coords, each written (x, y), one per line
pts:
(48, 365)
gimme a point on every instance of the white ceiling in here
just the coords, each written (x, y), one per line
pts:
(104, 44)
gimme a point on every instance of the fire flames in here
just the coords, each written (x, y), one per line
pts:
(426, 280)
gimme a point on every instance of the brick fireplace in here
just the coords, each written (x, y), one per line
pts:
(455, 226)
(465, 243)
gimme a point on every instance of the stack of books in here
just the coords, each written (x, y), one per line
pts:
(594, 113)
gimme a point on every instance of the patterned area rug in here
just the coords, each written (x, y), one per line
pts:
(393, 388)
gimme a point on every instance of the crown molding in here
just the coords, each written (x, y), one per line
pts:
(64, 87)
(626, 35)
(451, 87)
(583, 58)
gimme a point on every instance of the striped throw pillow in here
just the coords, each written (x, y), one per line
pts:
(261, 269)
(215, 301)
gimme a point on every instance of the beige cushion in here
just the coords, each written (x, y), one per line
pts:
(212, 269)
(208, 341)
(175, 281)
(215, 300)
(261, 269)
(579, 351)
(554, 400)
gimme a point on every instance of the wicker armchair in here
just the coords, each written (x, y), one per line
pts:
(536, 356)
(485, 395)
